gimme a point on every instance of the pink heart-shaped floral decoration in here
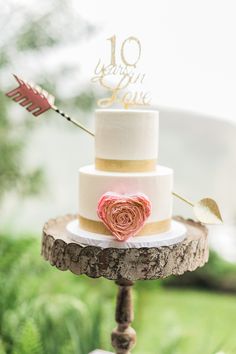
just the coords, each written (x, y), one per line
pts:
(124, 215)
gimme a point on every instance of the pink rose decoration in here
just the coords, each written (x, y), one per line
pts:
(123, 215)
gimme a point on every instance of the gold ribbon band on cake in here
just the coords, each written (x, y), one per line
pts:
(125, 165)
(150, 228)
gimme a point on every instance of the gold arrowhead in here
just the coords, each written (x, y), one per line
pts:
(207, 211)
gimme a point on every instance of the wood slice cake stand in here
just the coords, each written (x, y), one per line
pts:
(124, 266)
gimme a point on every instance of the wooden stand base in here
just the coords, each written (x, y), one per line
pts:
(124, 266)
(123, 337)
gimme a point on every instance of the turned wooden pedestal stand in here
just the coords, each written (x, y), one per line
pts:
(124, 265)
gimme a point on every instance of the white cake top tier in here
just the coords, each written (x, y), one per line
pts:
(122, 134)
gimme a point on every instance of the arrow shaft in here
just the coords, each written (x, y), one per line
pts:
(183, 199)
(72, 120)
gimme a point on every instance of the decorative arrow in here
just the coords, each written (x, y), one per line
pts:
(37, 101)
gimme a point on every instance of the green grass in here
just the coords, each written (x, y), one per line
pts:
(177, 322)
(46, 311)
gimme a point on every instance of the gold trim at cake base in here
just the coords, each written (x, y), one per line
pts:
(125, 165)
(150, 228)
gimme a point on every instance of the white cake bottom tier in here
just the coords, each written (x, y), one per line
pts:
(156, 185)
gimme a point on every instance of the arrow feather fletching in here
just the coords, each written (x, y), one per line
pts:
(34, 97)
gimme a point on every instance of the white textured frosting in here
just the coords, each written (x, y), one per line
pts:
(126, 134)
(156, 185)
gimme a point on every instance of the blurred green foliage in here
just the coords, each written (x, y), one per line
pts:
(28, 32)
(185, 322)
(46, 311)
(13, 175)
(43, 310)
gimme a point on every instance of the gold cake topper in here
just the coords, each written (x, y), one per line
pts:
(120, 75)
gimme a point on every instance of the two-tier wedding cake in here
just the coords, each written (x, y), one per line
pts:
(125, 193)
